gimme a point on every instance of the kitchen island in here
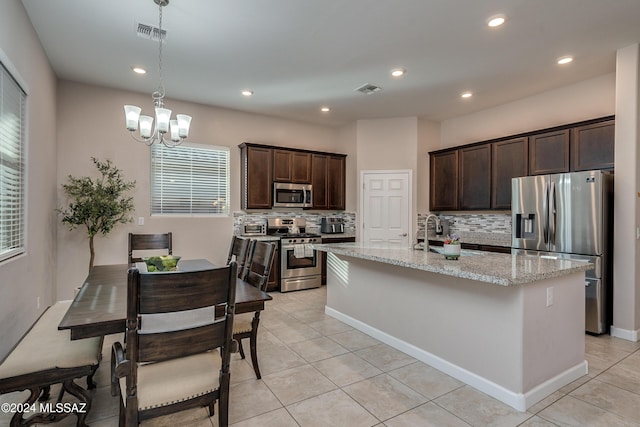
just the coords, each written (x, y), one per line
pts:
(511, 326)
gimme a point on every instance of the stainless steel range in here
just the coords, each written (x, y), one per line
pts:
(300, 266)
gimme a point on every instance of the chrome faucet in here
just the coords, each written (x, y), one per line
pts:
(436, 220)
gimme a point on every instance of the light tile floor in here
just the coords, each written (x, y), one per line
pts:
(317, 371)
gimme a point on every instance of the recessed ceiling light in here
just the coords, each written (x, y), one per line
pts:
(466, 95)
(247, 92)
(398, 72)
(139, 70)
(565, 60)
(496, 20)
(325, 109)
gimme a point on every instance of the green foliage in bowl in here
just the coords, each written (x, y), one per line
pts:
(161, 263)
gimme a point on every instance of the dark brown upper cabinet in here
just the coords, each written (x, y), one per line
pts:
(461, 178)
(549, 152)
(319, 163)
(475, 177)
(328, 181)
(262, 165)
(336, 171)
(443, 181)
(291, 166)
(592, 146)
(256, 176)
(509, 160)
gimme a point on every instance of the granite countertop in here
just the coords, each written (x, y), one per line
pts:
(496, 268)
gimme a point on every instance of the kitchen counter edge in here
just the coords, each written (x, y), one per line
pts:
(496, 268)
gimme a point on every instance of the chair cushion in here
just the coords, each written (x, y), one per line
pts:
(46, 347)
(242, 323)
(176, 380)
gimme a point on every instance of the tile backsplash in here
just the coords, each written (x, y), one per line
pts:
(312, 218)
(497, 225)
(467, 226)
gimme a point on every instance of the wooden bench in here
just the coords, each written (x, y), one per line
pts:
(47, 356)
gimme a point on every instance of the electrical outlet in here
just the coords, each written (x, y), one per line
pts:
(550, 296)
(140, 220)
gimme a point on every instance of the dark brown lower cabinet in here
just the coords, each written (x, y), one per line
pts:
(476, 247)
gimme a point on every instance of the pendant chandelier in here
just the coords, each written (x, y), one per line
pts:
(178, 130)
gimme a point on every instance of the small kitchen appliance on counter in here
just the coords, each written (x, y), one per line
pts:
(254, 227)
(331, 225)
(300, 265)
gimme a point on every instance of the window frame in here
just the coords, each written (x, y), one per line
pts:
(191, 214)
(8, 69)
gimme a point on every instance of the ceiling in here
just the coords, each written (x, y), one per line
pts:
(299, 55)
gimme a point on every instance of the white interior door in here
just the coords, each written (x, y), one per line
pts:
(386, 207)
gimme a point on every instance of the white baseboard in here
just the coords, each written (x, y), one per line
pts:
(519, 401)
(625, 334)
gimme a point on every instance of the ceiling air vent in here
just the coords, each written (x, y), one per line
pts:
(368, 89)
(150, 32)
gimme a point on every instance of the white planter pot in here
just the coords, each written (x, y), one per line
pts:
(451, 251)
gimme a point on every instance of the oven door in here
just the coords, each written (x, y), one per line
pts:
(292, 266)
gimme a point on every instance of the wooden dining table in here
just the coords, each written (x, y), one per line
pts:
(100, 307)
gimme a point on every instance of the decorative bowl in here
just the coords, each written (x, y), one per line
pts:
(161, 263)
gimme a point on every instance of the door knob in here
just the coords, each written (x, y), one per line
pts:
(403, 235)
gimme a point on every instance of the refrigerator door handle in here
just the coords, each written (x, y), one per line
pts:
(545, 209)
(552, 215)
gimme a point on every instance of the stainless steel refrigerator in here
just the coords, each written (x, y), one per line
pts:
(569, 215)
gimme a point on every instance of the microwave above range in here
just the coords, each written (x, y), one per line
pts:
(288, 195)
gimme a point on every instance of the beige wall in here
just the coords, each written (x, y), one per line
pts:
(347, 139)
(581, 101)
(388, 144)
(91, 123)
(626, 296)
(26, 278)
(428, 140)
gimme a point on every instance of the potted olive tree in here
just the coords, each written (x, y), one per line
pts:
(98, 204)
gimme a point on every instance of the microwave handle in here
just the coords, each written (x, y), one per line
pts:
(306, 200)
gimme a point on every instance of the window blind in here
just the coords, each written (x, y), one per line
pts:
(189, 179)
(12, 166)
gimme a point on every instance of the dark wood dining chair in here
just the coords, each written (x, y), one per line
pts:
(238, 252)
(179, 341)
(141, 242)
(256, 272)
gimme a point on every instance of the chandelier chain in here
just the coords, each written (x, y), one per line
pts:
(160, 42)
(177, 131)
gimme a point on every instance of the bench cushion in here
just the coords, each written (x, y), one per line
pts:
(45, 347)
